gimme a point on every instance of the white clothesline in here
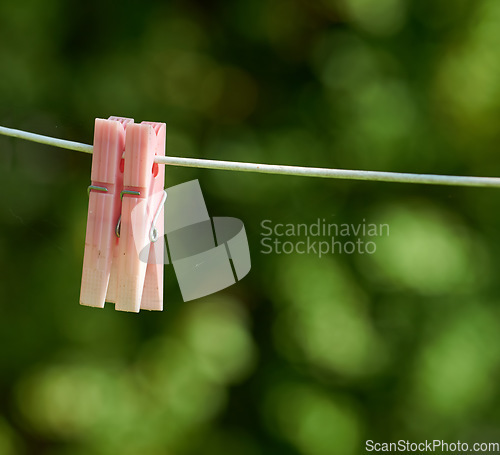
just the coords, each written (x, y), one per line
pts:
(456, 180)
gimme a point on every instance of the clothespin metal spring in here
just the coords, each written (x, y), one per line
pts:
(153, 233)
(97, 188)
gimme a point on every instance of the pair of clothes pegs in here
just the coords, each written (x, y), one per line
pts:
(125, 217)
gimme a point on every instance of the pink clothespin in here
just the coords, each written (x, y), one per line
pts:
(104, 209)
(129, 222)
(141, 280)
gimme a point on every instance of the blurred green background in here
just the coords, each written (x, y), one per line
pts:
(305, 355)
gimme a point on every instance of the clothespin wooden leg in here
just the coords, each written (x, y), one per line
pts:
(112, 293)
(152, 295)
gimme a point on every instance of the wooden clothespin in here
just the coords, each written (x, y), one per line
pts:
(125, 217)
(142, 213)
